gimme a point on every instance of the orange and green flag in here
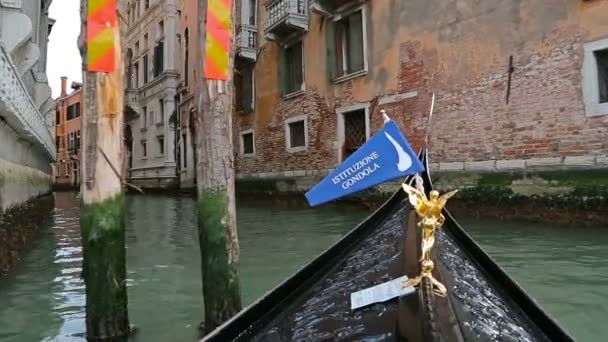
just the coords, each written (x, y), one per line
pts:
(218, 39)
(101, 35)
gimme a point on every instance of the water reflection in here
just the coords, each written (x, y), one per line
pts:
(43, 300)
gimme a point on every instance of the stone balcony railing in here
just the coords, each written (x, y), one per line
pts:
(284, 17)
(18, 108)
(247, 46)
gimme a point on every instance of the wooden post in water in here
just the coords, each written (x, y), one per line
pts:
(215, 166)
(102, 210)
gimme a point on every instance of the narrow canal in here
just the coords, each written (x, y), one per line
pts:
(43, 299)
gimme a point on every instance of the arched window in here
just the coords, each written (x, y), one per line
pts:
(186, 43)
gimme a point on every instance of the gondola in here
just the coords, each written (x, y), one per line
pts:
(483, 303)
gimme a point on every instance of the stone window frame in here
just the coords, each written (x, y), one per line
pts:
(590, 79)
(340, 111)
(242, 142)
(288, 133)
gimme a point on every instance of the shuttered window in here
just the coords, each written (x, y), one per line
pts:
(291, 69)
(346, 52)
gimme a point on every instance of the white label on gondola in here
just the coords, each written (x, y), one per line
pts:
(380, 293)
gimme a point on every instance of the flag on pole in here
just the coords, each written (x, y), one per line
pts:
(386, 156)
(217, 39)
(101, 35)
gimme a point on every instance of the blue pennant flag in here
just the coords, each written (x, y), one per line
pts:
(387, 155)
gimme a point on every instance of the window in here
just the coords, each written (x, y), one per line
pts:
(296, 134)
(136, 71)
(185, 150)
(161, 111)
(346, 46)
(291, 69)
(57, 117)
(602, 74)
(159, 51)
(70, 142)
(144, 117)
(73, 111)
(145, 69)
(78, 140)
(353, 128)
(161, 29)
(595, 78)
(247, 143)
(252, 11)
(147, 4)
(186, 55)
(161, 144)
(136, 49)
(145, 41)
(144, 149)
(245, 88)
(58, 142)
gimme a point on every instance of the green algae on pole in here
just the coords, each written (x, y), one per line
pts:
(218, 239)
(102, 210)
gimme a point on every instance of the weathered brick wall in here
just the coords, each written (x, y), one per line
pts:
(271, 153)
(545, 116)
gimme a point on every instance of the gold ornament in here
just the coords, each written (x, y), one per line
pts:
(429, 210)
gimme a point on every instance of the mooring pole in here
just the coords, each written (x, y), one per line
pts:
(218, 239)
(102, 209)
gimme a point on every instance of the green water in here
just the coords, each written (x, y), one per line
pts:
(563, 268)
(42, 300)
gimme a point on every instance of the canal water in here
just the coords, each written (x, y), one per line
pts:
(43, 299)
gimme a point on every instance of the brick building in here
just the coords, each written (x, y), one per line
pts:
(68, 121)
(519, 84)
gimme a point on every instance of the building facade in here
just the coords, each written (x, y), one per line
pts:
(152, 80)
(68, 122)
(519, 85)
(190, 69)
(26, 144)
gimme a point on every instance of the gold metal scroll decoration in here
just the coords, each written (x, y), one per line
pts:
(429, 210)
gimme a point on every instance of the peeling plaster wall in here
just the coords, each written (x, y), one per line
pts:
(460, 50)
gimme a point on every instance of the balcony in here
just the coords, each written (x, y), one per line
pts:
(247, 47)
(132, 107)
(285, 17)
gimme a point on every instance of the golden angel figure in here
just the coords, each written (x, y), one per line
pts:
(429, 209)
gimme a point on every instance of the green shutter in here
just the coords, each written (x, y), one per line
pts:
(283, 71)
(355, 42)
(331, 49)
(298, 67)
